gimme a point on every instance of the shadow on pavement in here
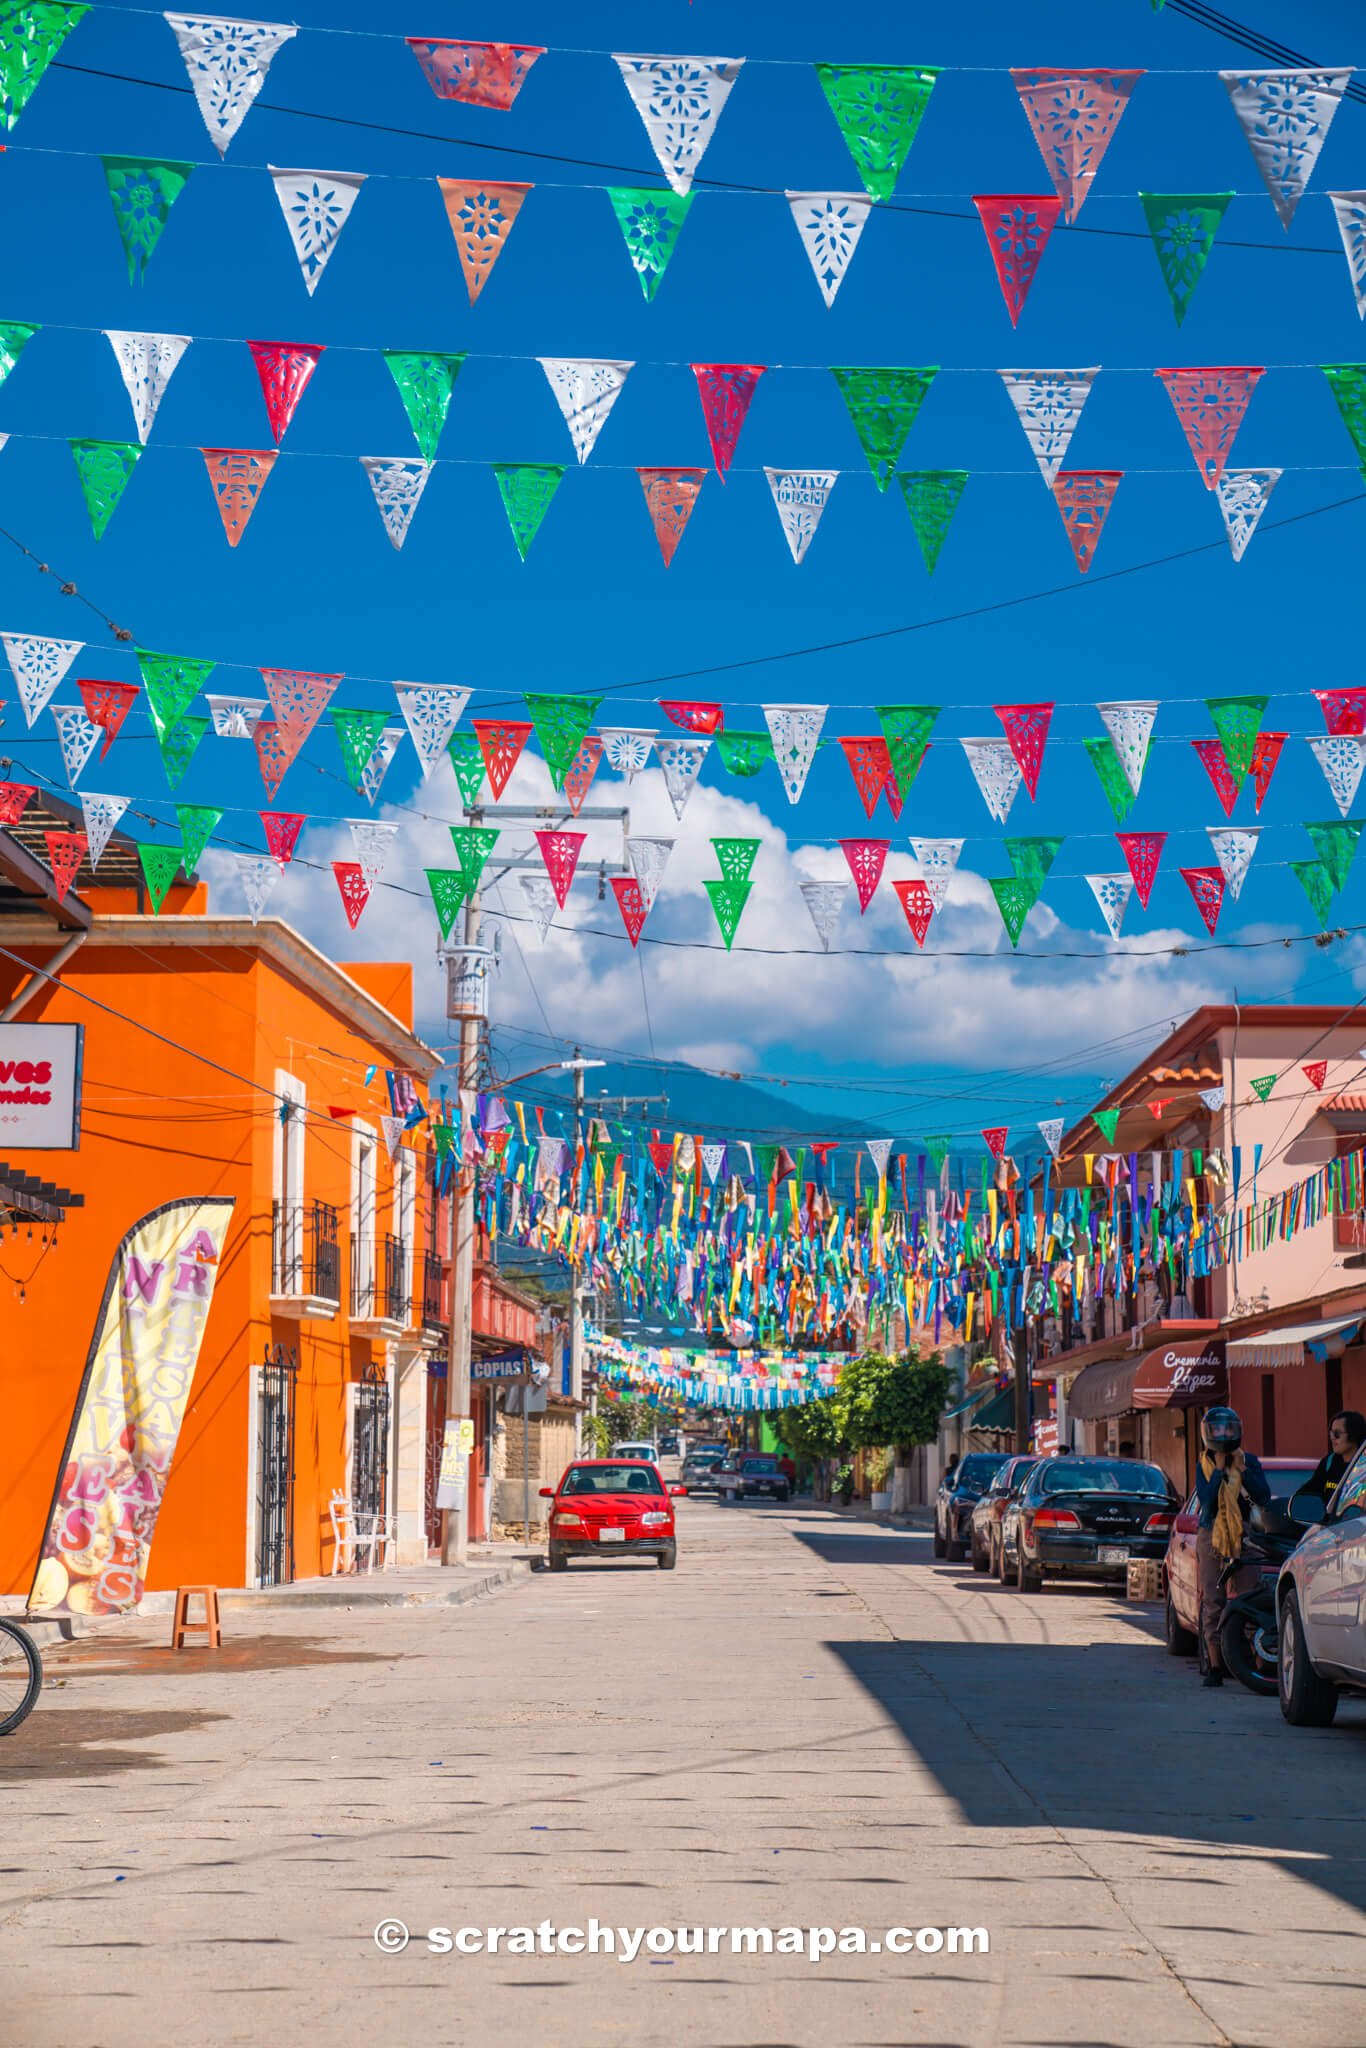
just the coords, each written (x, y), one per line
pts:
(254, 1653)
(72, 1742)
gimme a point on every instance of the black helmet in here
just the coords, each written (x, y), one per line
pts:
(1221, 1429)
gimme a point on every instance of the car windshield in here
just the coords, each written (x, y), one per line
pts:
(644, 1452)
(704, 1457)
(1287, 1480)
(979, 1469)
(611, 1479)
(1104, 1475)
(760, 1465)
(1019, 1478)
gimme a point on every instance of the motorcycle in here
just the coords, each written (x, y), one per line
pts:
(1249, 1633)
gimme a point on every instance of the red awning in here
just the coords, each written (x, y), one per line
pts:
(1181, 1376)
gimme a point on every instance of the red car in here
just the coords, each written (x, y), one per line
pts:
(612, 1507)
(1181, 1584)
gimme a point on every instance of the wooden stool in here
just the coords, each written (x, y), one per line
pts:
(181, 1625)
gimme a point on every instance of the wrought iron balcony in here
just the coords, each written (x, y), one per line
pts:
(305, 1252)
(380, 1288)
(434, 1311)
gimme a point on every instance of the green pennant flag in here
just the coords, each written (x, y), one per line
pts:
(878, 107)
(728, 900)
(104, 468)
(651, 222)
(1183, 226)
(736, 857)
(198, 823)
(1106, 1122)
(1238, 721)
(171, 682)
(143, 192)
(883, 405)
(444, 1135)
(160, 865)
(766, 1161)
(1317, 885)
(425, 381)
(1014, 901)
(14, 338)
(1113, 780)
(178, 744)
(1031, 860)
(561, 725)
(1263, 1085)
(526, 489)
(744, 753)
(449, 887)
(906, 729)
(358, 734)
(1347, 381)
(467, 759)
(1335, 843)
(473, 845)
(31, 33)
(931, 499)
(938, 1149)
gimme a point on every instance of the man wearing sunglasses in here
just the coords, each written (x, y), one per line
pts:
(1346, 1434)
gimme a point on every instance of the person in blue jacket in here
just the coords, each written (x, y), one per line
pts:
(1229, 1481)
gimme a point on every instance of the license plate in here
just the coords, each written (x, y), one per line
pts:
(1108, 1555)
(611, 1535)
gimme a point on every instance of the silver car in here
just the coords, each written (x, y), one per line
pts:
(1321, 1600)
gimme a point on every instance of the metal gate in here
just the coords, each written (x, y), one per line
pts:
(275, 1468)
(370, 1451)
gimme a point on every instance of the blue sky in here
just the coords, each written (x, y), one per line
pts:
(315, 584)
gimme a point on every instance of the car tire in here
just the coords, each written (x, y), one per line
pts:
(954, 1550)
(783, 1496)
(938, 1545)
(1307, 1701)
(1181, 1641)
(980, 1560)
(668, 1559)
(1026, 1579)
(558, 1561)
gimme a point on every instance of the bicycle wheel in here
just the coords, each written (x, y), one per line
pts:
(21, 1676)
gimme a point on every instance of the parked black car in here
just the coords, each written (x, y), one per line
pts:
(959, 1493)
(1084, 1518)
(984, 1536)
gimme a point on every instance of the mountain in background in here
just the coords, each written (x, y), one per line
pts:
(703, 1105)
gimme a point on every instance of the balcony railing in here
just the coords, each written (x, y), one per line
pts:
(305, 1251)
(379, 1279)
(433, 1291)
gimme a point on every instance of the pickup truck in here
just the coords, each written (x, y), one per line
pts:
(750, 1473)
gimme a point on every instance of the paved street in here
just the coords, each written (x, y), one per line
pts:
(810, 1722)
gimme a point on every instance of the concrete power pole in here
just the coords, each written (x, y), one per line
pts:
(576, 1279)
(455, 1523)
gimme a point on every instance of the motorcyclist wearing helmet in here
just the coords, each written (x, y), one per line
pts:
(1228, 1480)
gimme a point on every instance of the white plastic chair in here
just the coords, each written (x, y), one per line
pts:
(377, 1533)
(343, 1534)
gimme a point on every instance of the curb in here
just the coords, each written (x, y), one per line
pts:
(348, 1599)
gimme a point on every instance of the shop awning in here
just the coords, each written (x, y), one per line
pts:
(973, 1400)
(1105, 1388)
(999, 1412)
(1288, 1346)
(1181, 1376)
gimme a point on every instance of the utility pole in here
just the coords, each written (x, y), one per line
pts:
(1022, 1386)
(576, 1277)
(455, 1525)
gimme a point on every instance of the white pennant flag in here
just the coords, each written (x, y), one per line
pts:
(1286, 116)
(227, 62)
(377, 767)
(996, 773)
(539, 892)
(432, 711)
(392, 1128)
(1213, 1098)
(830, 224)
(713, 1159)
(1349, 210)
(1112, 893)
(879, 1151)
(234, 718)
(1049, 404)
(680, 100)
(258, 874)
(102, 814)
(398, 482)
(681, 761)
(1234, 847)
(37, 667)
(801, 495)
(78, 736)
(316, 206)
(1050, 1130)
(648, 858)
(1244, 495)
(795, 730)
(938, 858)
(627, 752)
(373, 844)
(1130, 728)
(1341, 757)
(147, 362)
(824, 900)
(585, 392)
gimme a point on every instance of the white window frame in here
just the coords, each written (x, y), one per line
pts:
(364, 1222)
(287, 1182)
(405, 1218)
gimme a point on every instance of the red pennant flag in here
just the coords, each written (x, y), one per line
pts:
(482, 215)
(282, 833)
(1316, 1073)
(870, 764)
(1265, 755)
(693, 717)
(631, 904)
(865, 858)
(1027, 730)
(1159, 1103)
(107, 705)
(914, 898)
(1212, 754)
(13, 798)
(298, 698)
(501, 741)
(1143, 851)
(1210, 405)
(995, 1140)
(670, 495)
(355, 890)
(284, 368)
(477, 74)
(662, 1155)
(895, 800)
(339, 1114)
(1207, 887)
(1344, 711)
(1084, 498)
(560, 851)
(276, 746)
(1074, 115)
(1017, 225)
(578, 778)
(238, 477)
(725, 390)
(65, 852)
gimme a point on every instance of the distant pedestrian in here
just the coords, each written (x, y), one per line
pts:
(1346, 1434)
(788, 1470)
(949, 1470)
